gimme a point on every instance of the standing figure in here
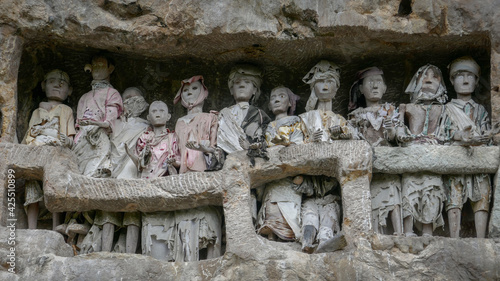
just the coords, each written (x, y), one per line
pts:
(376, 123)
(321, 211)
(126, 133)
(423, 193)
(467, 123)
(127, 130)
(200, 227)
(50, 124)
(243, 123)
(281, 204)
(96, 117)
(156, 154)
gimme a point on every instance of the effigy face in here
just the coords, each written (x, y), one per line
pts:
(373, 88)
(191, 92)
(279, 101)
(325, 89)
(57, 86)
(243, 89)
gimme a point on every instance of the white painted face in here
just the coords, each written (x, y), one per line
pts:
(279, 101)
(158, 114)
(325, 89)
(191, 92)
(243, 89)
(431, 81)
(373, 88)
(464, 82)
(56, 87)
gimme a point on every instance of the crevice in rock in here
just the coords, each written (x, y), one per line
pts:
(405, 8)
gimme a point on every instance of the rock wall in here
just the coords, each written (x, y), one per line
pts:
(156, 44)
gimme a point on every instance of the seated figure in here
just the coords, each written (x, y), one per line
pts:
(321, 209)
(279, 215)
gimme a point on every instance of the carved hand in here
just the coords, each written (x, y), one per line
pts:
(93, 122)
(200, 147)
(132, 155)
(244, 143)
(67, 142)
(317, 135)
(335, 131)
(347, 136)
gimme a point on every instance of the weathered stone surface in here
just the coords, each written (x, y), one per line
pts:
(10, 51)
(494, 225)
(400, 259)
(173, 40)
(436, 159)
(32, 247)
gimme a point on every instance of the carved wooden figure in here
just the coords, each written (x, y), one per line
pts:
(96, 117)
(321, 211)
(467, 123)
(127, 130)
(50, 124)
(423, 193)
(243, 123)
(279, 215)
(376, 123)
(156, 154)
(200, 227)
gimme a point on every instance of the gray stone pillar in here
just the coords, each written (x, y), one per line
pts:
(11, 47)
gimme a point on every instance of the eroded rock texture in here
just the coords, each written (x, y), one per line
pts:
(156, 44)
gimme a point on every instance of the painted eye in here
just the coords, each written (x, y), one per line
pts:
(195, 88)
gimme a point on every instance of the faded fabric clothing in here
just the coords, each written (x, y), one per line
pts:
(93, 147)
(103, 217)
(126, 133)
(205, 223)
(459, 115)
(385, 192)
(385, 189)
(423, 194)
(32, 194)
(280, 211)
(477, 188)
(240, 120)
(93, 151)
(423, 198)
(284, 131)
(154, 151)
(158, 235)
(324, 120)
(201, 128)
(322, 213)
(369, 123)
(430, 130)
(173, 231)
(44, 129)
(200, 227)
(281, 204)
(44, 126)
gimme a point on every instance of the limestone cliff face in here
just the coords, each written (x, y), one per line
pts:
(156, 44)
